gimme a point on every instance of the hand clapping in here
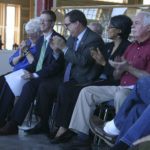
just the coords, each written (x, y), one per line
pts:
(23, 47)
(57, 43)
(97, 56)
(119, 63)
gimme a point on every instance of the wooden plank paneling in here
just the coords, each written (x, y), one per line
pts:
(93, 2)
(82, 3)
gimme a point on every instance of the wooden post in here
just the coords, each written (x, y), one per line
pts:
(135, 1)
(43, 4)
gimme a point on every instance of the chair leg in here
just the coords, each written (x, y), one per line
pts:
(52, 116)
(29, 118)
(95, 140)
(100, 110)
(106, 114)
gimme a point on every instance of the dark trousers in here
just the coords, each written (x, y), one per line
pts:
(6, 101)
(47, 93)
(27, 96)
(2, 84)
(2, 81)
(66, 100)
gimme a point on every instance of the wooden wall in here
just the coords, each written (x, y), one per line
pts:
(92, 2)
(81, 3)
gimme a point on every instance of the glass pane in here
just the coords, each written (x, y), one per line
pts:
(146, 2)
(10, 21)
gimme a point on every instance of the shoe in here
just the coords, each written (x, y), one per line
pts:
(38, 129)
(9, 129)
(76, 144)
(65, 137)
(120, 146)
(97, 126)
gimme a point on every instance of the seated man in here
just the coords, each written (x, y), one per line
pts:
(46, 64)
(131, 121)
(136, 65)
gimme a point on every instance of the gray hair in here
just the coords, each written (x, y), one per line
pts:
(33, 24)
(99, 27)
(146, 17)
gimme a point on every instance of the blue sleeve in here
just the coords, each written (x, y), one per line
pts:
(28, 42)
(13, 56)
(17, 54)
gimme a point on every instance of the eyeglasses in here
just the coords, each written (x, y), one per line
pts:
(66, 25)
(110, 27)
(45, 21)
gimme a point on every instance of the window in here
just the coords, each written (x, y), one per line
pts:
(146, 2)
(10, 22)
(9, 25)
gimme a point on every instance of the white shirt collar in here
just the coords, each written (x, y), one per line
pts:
(48, 38)
(80, 36)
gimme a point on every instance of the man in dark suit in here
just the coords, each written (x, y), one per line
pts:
(47, 64)
(80, 68)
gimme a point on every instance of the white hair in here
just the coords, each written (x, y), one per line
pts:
(146, 17)
(99, 27)
(33, 24)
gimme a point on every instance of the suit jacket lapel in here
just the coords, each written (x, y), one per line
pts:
(49, 49)
(83, 40)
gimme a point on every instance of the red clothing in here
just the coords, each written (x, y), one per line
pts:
(138, 54)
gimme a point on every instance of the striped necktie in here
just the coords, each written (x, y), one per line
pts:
(69, 66)
(41, 58)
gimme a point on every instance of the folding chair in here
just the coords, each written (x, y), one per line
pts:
(106, 112)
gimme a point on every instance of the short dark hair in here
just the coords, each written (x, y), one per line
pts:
(77, 15)
(51, 13)
(123, 23)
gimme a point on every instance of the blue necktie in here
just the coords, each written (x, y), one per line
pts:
(68, 68)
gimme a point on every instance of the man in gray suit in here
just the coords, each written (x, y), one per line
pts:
(80, 69)
(83, 67)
